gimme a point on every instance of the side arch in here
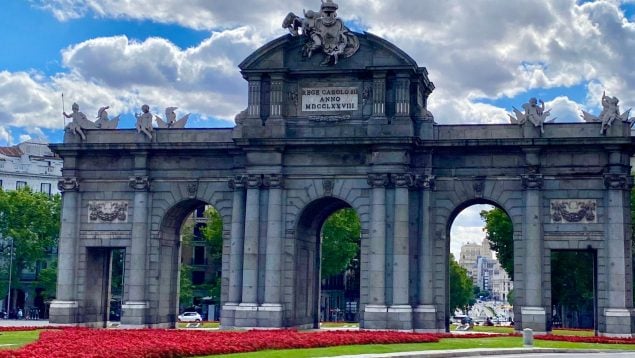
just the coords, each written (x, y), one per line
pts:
(171, 204)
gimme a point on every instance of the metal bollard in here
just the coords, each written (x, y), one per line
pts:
(528, 337)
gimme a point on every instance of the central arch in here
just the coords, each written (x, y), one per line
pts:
(308, 258)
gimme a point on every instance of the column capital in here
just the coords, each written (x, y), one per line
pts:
(238, 182)
(139, 183)
(425, 182)
(68, 184)
(618, 181)
(532, 181)
(254, 181)
(403, 180)
(273, 181)
(378, 180)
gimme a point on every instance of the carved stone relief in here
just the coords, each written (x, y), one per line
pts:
(107, 211)
(573, 211)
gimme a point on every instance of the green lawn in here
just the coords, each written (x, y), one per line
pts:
(13, 340)
(203, 324)
(507, 329)
(449, 343)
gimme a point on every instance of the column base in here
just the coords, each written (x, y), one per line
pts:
(399, 317)
(534, 318)
(228, 315)
(618, 323)
(246, 315)
(63, 312)
(425, 319)
(133, 314)
(375, 317)
(270, 315)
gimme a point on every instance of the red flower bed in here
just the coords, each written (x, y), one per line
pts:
(84, 342)
(582, 339)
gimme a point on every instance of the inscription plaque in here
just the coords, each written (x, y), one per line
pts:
(329, 99)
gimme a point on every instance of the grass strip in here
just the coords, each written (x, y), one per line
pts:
(444, 344)
(17, 339)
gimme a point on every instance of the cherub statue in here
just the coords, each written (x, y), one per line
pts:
(79, 122)
(533, 113)
(103, 122)
(610, 112)
(170, 119)
(144, 121)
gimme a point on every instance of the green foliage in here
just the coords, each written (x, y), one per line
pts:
(461, 286)
(30, 222)
(499, 231)
(572, 280)
(186, 289)
(510, 297)
(340, 241)
(212, 232)
(48, 280)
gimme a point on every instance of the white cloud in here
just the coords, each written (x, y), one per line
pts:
(519, 46)
(5, 136)
(25, 137)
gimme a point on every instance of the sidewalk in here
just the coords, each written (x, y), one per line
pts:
(24, 323)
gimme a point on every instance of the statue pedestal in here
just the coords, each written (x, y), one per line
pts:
(133, 313)
(63, 312)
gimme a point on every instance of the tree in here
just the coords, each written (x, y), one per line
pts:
(461, 286)
(29, 229)
(499, 232)
(340, 241)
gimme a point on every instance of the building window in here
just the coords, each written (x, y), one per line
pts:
(199, 255)
(0, 183)
(198, 277)
(20, 184)
(45, 188)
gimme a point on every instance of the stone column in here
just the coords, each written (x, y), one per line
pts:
(253, 98)
(379, 95)
(134, 309)
(400, 311)
(375, 310)
(247, 310)
(271, 309)
(252, 235)
(402, 95)
(425, 312)
(532, 311)
(235, 251)
(64, 308)
(236, 242)
(617, 243)
(276, 94)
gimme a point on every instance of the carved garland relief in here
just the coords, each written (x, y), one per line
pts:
(573, 211)
(107, 211)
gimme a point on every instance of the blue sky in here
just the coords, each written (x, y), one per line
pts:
(484, 56)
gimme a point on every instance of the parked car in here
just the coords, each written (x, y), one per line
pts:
(190, 317)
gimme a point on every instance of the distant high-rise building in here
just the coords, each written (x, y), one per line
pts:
(485, 270)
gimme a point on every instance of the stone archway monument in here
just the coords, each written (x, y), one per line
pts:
(339, 119)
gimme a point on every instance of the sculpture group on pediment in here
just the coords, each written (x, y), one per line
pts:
(144, 121)
(532, 113)
(103, 122)
(610, 112)
(79, 121)
(170, 119)
(323, 30)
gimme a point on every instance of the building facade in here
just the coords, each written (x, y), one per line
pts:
(29, 164)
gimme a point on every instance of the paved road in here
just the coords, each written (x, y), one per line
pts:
(569, 355)
(23, 323)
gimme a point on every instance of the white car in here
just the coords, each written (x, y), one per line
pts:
(190, 317)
